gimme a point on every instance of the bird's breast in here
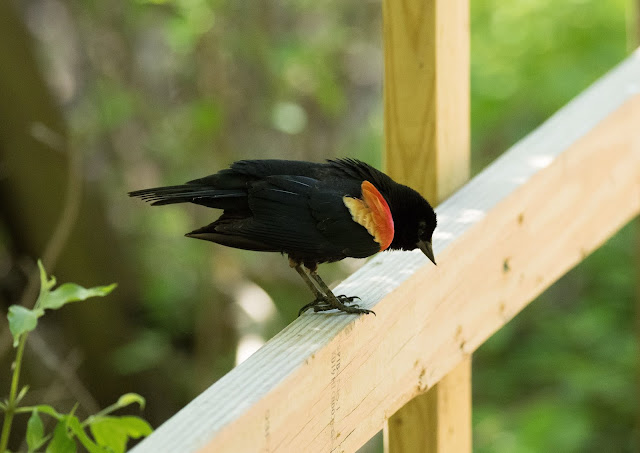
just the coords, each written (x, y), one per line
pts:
(373, 213)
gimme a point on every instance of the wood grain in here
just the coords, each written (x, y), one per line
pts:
(329, 381)
(426, 98)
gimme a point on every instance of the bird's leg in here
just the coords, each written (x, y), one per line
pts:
(325, 299)
(320, 298)
(307, 280)
(331, 301)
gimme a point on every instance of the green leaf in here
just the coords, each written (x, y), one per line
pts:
(114, 432)
(62, 441)
(45, 283)
(22, 320)
(130, 398)
(76, 427)
(70, 292)
(35, 431)
(49, 410)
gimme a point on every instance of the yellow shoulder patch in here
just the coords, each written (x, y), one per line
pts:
(373, 213)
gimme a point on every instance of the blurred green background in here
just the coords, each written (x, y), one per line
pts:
(130, 94)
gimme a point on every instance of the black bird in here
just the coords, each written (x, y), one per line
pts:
(314, 212)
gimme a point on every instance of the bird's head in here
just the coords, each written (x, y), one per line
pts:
(414, 221)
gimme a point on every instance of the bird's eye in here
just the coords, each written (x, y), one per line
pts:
(421, 228)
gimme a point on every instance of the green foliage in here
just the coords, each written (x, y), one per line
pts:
(62, 441)
(35, 431)
(70, 292)
(110, 433)
(114, 432)
(528, 58)
(23, 320)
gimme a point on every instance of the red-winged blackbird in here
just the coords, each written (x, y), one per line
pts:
(313, 212)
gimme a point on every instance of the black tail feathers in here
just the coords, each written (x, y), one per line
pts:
(189, 193)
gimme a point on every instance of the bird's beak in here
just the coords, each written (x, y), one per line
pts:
(427, 249)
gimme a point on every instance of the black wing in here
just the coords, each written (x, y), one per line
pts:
(298, 215)
(288, 206)
(228, 189)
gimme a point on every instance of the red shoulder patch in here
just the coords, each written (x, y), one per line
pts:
(372, 212)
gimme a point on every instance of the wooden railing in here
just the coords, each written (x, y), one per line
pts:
(329, 382)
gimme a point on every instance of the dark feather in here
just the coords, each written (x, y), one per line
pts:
(297, 208)
(192, 193)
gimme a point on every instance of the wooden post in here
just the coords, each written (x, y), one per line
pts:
(426, 101)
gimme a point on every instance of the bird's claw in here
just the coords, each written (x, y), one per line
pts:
(342, 303)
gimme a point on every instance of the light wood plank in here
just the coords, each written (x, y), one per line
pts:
(328, 382)
(426, 93)
(426, 44)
